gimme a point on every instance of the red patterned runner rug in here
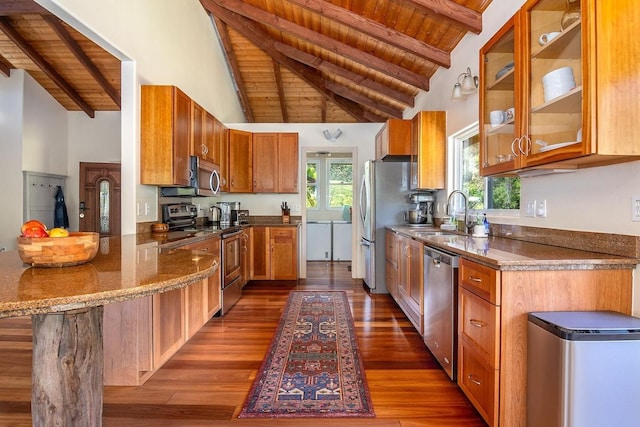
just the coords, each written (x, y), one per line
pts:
(313, 367)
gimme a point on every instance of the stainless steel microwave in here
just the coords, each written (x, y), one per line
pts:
(204, 180)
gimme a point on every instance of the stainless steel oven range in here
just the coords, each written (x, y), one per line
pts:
(231, 254)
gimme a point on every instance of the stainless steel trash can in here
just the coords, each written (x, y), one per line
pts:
(583, 369)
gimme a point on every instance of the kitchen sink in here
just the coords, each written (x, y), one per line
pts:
(432, 233)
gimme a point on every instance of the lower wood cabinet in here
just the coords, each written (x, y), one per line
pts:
(391, 263)
(274, 253)
(140, 335)
(492, 326)
(202, 300)
(169, 325)
(245, 256)
(410, 280)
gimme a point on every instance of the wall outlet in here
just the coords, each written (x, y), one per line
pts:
(530, 208)
(541, 209)
(635, 208)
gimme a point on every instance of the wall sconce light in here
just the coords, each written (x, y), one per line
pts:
(332, 137)
(466, 85)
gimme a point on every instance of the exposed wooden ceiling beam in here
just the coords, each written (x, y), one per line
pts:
(331, 68)
(262, 40)
(373, 117)
(324, 42)
(376, 30)
(361, 99)
(323, 110)
(21, 7)
(82, 57)
(283, 101)
(19, 41)
(459, 15)
(223, 34)
(5, 66)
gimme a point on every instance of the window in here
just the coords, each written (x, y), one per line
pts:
(312, 184)
(339, 190)
(484, 193)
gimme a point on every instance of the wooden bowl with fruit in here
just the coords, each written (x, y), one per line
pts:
(56, 247)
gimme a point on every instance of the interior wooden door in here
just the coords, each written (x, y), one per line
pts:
(99, 196)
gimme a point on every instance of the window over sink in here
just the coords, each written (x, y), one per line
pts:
(497, 194)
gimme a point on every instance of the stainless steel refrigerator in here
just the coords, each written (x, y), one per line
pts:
(383, 198)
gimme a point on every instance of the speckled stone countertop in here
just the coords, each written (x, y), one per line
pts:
(122, 270)
(513, 254)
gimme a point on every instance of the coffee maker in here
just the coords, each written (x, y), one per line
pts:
(221, 213)
(423, 202)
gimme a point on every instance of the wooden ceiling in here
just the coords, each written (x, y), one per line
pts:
(79, 74)
(293, 61)
(324, 61)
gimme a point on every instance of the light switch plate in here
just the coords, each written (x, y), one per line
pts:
(530, 208)
(635, 208)
(541, 209)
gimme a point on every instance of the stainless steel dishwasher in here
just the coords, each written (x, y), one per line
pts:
(440, 307)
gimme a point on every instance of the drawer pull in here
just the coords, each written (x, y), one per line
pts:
(477, 323)
(473, 379)
(475, 279)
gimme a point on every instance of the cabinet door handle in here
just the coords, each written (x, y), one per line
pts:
(473, 379)
(477, 323)
(475, 279)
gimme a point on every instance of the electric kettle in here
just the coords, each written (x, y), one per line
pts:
(215, 213)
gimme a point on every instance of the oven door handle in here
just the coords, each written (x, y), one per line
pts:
(231, 234)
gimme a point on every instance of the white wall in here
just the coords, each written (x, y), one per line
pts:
(11, 112)
(44, 131)
(595, 199)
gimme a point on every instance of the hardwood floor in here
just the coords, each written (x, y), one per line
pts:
(206, 383)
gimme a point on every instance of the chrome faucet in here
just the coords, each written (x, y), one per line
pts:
(466, 209)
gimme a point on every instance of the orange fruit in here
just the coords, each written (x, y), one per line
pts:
(33, 224)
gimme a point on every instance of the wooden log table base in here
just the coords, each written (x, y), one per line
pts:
(67, 368)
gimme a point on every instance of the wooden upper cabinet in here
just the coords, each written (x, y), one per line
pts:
(394, 139)
(288, 163)
(275, 162)
(240, 161)
(589, 123)
(265, 162)
(209, 150)
(165, 136)
(428, 150)
(198, 132)
(221, 148)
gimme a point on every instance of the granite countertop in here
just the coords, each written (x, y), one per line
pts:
(173, 239)
(511, 254)
(123, 269)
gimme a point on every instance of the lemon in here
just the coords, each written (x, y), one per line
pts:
(58, 232)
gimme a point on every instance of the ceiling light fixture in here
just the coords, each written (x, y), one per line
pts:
(466, 85)
(332, 137)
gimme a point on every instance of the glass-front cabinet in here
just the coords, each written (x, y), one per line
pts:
(557, 84)
(500, 90)
(554, 66)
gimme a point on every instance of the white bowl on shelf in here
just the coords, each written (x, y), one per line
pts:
(557, 83)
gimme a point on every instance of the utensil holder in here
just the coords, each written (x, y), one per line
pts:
(286, 216)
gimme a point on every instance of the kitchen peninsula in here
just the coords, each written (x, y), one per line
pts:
(66, 309)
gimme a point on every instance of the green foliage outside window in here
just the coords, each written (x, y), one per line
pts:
(340, 184)
(312, 184)
(501, 193)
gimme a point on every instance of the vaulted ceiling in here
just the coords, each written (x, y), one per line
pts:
(292, 61)
(326, 61)
(79, 74)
